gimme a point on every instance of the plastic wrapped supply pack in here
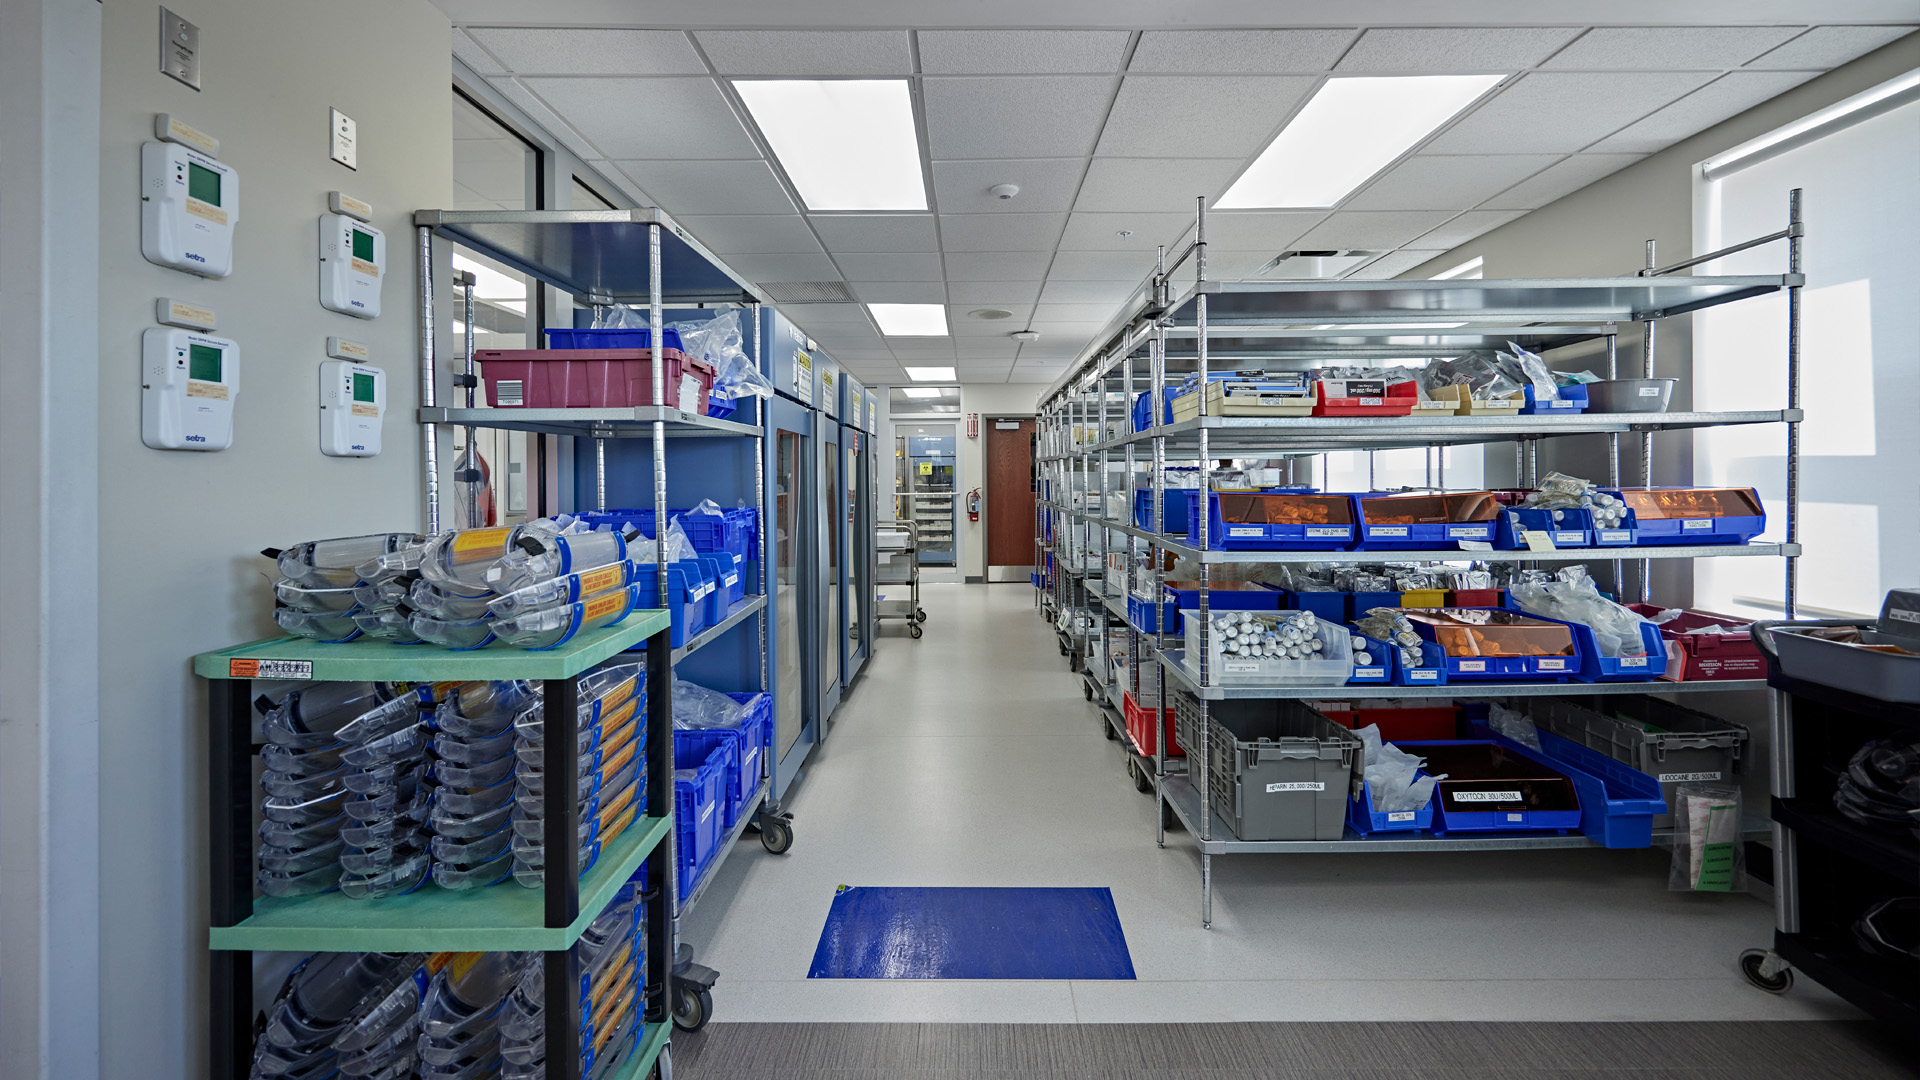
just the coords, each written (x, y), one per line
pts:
(1560, 492)
(1392, 625)
(1708, 851)
(1616, 630)
(1394, 776)
(719, 340)
(607, 757)
(350, 1014)
(695, 706)
(1532, 370)
(536, 559)
(1484, 376)
(1516, 726)
(473, 742)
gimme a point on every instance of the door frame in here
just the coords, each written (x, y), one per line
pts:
(787, 415)
(1010, 572)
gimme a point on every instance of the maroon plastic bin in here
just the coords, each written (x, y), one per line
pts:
(591, 379)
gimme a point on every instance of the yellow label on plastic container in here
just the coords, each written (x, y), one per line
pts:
(473, 540)
(602, 606)
(599, 581)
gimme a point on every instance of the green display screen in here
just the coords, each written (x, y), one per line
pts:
(203, 363)
(363, 387)
(203, 183)
(362, 245)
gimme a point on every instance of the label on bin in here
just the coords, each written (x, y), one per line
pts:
(1473, 665)
(1484, 796)
(1400, 815)
(689, 394)
(1387, 531)
(1298, 785)
(1314, 532)
(1686, 777)
(1255, 530)
(1649, 391)
(1633, 661)
(1369, 673)
(1424, 676)
(1241, 667)
(1692, 524)
(269, 669)
(1553, 665)
(1367, 388)
(1615, 536)
(1565, 537)
(1476, 532)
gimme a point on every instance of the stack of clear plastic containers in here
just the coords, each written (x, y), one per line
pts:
(608, 757)
(388, 792)
(460, 1015)
(474, 769)
(318, 594)
(350, 1014)
(612, 961)
(309, 732)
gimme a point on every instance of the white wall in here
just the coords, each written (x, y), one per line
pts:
(180, 532)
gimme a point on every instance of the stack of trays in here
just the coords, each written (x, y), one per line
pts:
(474, 768)
(608, 758)
(610, 955)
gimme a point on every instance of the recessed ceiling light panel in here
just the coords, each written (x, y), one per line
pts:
(910, 320)
(929, 374)
(847, 144)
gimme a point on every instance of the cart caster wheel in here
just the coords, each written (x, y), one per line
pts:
(1142, 779)
(920, 615)
(1106, 728)
(1753, 964)
(913, 630)
(692, 1007)
(1086, 690)
(776, 835)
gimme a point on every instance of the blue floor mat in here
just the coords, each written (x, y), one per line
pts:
(912, 933)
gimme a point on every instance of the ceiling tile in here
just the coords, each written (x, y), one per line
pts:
(876, 232)
(1267, 231)
(1077, 332)
(1669, 48)
(1730, 94)
(807, 53)
(1013, 117)
(710, 187)
(1371, 228)
(1825, 47)
(1467, 226)
(891, 266)
(1199, 116)
(1237, 265)
(1101, 232)
(778, 266)
(1489, 49)
(996, 290)
(1101, 265)
(964, 325)
(1046, 184)
(899, 292)
(1203, 52)
(1447, 181)
(1563, 179)
(909, 349)
(809, 314)
(724, 233)
(592, 52)
(1556, 112)
(992, 266)
(469, 52)
(1393, 264)
(1000, 232)
(544, 116)
(1059, 291)
(659, 119)
(1164, 185)
(1015, 52)
(982, 352)
(1066, 313)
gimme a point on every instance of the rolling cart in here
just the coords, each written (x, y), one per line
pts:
(898, 539)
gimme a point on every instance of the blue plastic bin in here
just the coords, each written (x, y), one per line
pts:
(1143, 409)
(1431, 672)
(1145, 616)
(698, 804)
(719, 408)
(734, 531)
(1378, 673)
(713, 594)
(1174, 503)
(1573, 530)
(1446, 821)
(1262, 598)
(1331, 606)
(1596, 668)
(571, 338)
(1223, 537)
(1572, 399)
(1365, 820)
(1359, 603)
(683, 609)
(1708, 530)
(732, 582)
(1424, 536)
(1617, 802)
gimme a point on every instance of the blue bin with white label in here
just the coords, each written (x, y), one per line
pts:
(1173, 502)
(1507, 806)
(1571, 401)
(1366, 820)
(1594, 667)
(1522, 664)
(1448, 521)
(1681, 515)
(1379, 671)
(1569, 527)
(1242, 521)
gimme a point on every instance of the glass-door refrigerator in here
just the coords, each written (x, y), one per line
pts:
(928, 468)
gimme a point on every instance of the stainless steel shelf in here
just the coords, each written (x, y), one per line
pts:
(1173, 662)
(596, 253)
(589, 423)
(1231, 436)
(1675, 551)
(736, 615)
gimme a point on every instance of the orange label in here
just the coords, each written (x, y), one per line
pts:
(619, 760)
(461, 963)
(480, 539)
(205, 210)
(622, 816)
(604, 1033)
(210, 390)
(243, 669)
(604, 605)
(361, 408)
(362, 266)
(617, 730)
(610, 988)
(616, 971)
(599, 581)
(439, 960)
(617, 694)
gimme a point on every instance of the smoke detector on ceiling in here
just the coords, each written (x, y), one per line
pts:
(1004, 191)
(990, 314)
(1320, 263)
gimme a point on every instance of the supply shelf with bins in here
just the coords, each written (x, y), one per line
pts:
(549, 919)
(1161, 338)
(645, 259)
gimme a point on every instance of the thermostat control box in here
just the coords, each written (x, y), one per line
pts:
(188, 383)
(353, 402)
(353, 259)
(189, 204)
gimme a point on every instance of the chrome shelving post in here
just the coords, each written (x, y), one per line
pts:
(1156, 526)
(1204, 499)
(429, 434)
(1794, 228)
(1649, 340)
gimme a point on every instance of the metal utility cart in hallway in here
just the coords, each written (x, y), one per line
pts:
(898, 548)
(1166, 334)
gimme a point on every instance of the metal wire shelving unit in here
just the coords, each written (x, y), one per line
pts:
(1214, 326)
(642, 258)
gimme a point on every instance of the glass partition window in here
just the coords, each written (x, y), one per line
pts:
(941, 401)
(926, 469)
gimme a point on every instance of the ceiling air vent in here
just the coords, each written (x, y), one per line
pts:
(1309, 265)
(807, 292)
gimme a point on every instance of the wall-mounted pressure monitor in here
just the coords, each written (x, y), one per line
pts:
(353, 258)
(189, 204)
(353, 401)
(188, 381)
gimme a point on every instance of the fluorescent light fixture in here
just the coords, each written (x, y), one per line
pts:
(929, 374)
(922, 391)
(1353, 128)
(847, 144)
(1471, 269)
(910, 320)
(1862, 106)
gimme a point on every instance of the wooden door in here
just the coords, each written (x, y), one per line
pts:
(1009, 497)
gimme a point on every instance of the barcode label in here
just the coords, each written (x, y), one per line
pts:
(1400, 815)
(1692, 524)
(1389, 531)
(1553, 665)
(1424, 676)
(1633, 661)
(269, 669)
(1485, 796)
(1686, 777)
(1254, 530)
(1369, 673)
(1476, 533)
(1297, 785)
(1473, 665)
(1566, 537)
(1615, 536)
(507, 393)
(1323, 531)
(1241, 667)
(1649, 391)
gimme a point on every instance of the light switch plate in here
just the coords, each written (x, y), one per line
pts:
(179, 48)
(343, 138)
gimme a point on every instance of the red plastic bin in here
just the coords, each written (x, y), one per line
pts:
(1422, 724)
(591, 379)
(1363, 397)
(1706, 657)
(1144, 733)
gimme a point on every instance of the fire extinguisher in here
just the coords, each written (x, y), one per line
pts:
(973, 505)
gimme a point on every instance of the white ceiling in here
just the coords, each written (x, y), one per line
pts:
(1111, 134)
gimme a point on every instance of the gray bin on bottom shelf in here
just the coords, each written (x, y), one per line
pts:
(1686, 747)
(1278, 769)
